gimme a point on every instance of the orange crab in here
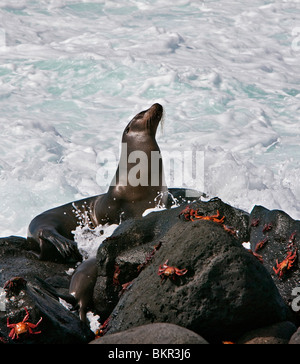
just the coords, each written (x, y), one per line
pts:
(230, 230)
(261, 244)
(22, 327)
(257, 256)
(166, 271)
(214, 218)
(190, 214)
(102, 329)
(286, 264)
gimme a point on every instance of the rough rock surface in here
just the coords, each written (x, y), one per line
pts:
(281, 230)
(59, 325)
(224, 295)
(295, 339)
(17, 260)
(225, 291)
(159, 333)
(135, 240)
(279, 333)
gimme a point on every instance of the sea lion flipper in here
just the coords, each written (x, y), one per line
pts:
(66, 247)
(52, 291)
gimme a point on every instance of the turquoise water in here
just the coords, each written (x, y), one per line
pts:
(72, 74)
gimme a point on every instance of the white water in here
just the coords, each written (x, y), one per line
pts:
(73, 73)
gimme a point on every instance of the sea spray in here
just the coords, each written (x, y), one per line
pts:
(67, 91)
(89, 240)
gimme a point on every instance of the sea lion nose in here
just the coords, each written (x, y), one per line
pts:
(157, 107)
(156, 111)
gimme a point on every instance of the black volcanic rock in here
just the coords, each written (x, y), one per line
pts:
(58, 325)
(159, 333)
(278, 230)
(225, 292)
(135, 240)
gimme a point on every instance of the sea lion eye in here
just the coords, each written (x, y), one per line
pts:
(127, 130)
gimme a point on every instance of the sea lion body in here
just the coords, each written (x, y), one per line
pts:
(82, 286)
(129, 195)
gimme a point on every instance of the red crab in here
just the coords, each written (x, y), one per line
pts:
(230, 230)
(257, 256)
(267, 227)
(255, 222)
(261, 244)
(166, 271)
(14, 284)
(190, 214)
(214, 218)
(286, 264)
(149, 257)
(292, 239)
(102, 329)
(22, 327)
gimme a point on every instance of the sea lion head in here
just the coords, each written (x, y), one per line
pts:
(145, 122)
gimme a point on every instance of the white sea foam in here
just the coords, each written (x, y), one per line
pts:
(73, 73)
(89, 240)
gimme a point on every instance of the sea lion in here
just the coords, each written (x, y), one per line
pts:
(138, 184)
(82, 286)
